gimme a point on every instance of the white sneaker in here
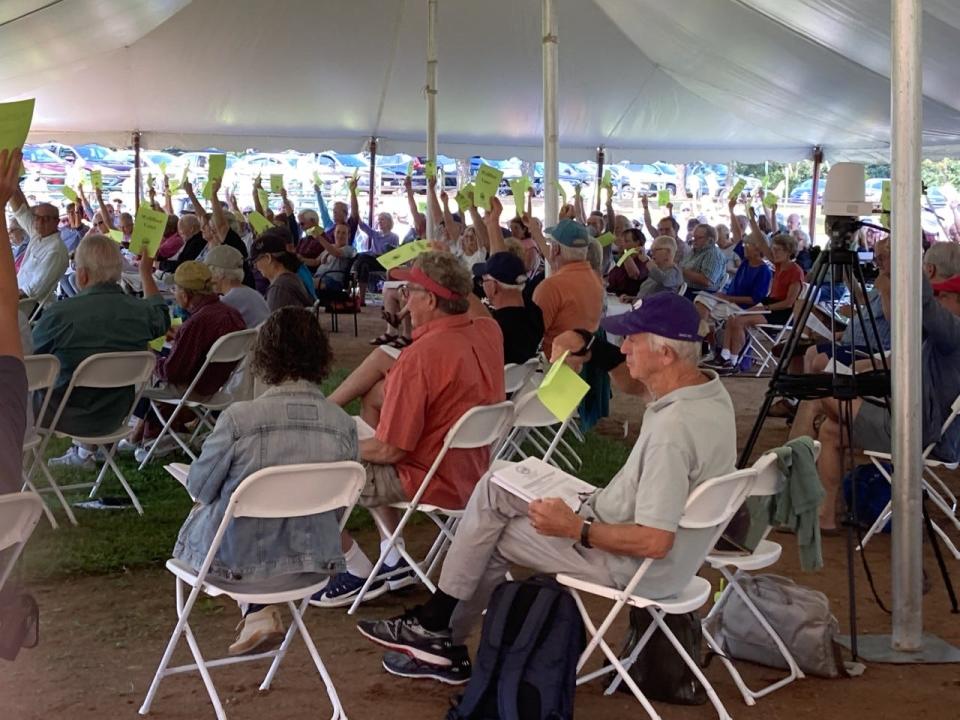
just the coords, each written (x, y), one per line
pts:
(166, 446)
(261, 630)
(126, 447)
(71, 458)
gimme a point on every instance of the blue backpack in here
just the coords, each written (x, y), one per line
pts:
(526, 666)
(873, 493)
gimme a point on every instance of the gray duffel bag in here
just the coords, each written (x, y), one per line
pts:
(799, 615)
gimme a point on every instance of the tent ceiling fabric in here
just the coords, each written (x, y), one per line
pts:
(749, 80)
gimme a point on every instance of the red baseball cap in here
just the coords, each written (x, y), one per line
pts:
(417, 275)
(950, 286)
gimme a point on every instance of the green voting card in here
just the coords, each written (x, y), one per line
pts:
(464, 195)
(486, 182)
(96, 179)
(258, 222)
(563, 193)
(885, 196)
(216, 166)
(770, 199)
(737, 189)
(148, 230)
(207, 192)
(69, 194)
(15, 119)
(264, 198)
(519, 189)
(116, 235)
(562, 390)
(629, 253)
(663, 198)
(606, 239)
(403, 254)
(276, 183)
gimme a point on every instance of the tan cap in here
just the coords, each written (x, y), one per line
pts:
(192, 275)
(224, 257)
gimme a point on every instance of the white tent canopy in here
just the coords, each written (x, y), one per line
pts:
(749, 80)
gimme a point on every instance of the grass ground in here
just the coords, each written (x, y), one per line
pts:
(111, 541)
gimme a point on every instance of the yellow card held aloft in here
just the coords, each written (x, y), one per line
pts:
(563, 193)
(606, 239)
(607, 180)
(207, 192)
(464, 195)
(276, 183)
(264, 198)
(15, 120)
(403, 254)
(116, 235)
(148, 230)
(69, 194)
(96, 179)
(216, 166)
(430, 169)
(623, 258)
(519, 189)
(663, 198)
(770, 199)
(258, 222)
(486, 183)
(562, 390)
(737, 189)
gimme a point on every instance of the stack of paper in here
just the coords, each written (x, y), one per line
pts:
(534, 479)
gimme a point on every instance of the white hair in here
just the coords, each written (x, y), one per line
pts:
(218, 273)
(687, 351)
(595, 256)
(310, 216)
(572, 254)
(100, 257)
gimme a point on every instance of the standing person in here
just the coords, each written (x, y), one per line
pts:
(13, 375)
(271, 256)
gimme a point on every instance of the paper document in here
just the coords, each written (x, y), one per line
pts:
(179, 471)
(534, 479)
(364, 431)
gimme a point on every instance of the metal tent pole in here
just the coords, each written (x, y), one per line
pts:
(137, 179)
(817, 159)
(601, 158)
(431, 98)
(905, 114)
(551, 209)
(373, 180)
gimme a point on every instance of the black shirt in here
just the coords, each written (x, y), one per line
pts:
(13, 422)
(522, 329)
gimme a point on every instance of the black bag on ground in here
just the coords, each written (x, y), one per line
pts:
(526, 666)
(19, 622)
(660, 672)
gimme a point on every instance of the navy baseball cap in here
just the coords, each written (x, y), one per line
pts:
(569, 233)
(665, 314)
(504, 267)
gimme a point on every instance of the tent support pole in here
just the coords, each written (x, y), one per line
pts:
(601, 156)
(373, 185)
(906, 87)
(431, 100)
(137, 178)
(817, 160)
(551, 209)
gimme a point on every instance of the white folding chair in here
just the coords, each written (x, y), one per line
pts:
(941, 496)
(19, 514)
(516, 376)
(231, 348)
(532, 424)
(763, 339)
(42, 372)
(710, 506)
(29, 307)
(106, 371)
(770, 481)
(482, 426)
(286, 491)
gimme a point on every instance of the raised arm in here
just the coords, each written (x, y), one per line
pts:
(325, 220)
(257, 205)
(492, 220)
(415, 215)
(647, 220)
(452, 227)
(611, 216)
(433, 206)
(198, 208)
(735, 230)
(219, 217)
(755, 229)
(105, 214)
(536, 233)
(146, 274)
(479, 227)
(167, 196)
(579, 209)
(9, 294)
(354, 203)
(87, 207)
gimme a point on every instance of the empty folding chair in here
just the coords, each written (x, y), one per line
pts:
(105, 371)
(231, 348)
(531, 414)
(482, 426)
(42, 372)
(941, 495)
(287, 491)
(763, 339)
(19, 514)
(770, 481)
(710, 506)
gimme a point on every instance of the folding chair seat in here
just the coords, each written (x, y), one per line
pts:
(534, 424)
(19, 514)
(941, 495)
(770, 481)
(42, 372)
(105, 371)
(516, 375)
(287, 491)
(482, 426)
(710, 506)
(763, 339)
(231, 348)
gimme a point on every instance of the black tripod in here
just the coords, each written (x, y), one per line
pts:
(838, 262)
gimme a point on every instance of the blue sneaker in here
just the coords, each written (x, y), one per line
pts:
(395, 576)
(343, 588)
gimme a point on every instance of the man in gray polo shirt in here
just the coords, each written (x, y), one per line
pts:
(688, 436)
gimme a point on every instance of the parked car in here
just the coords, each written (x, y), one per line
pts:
(76, 165)
(92, 152)
(645, 177)
(936, 198)
(44, 165)
(801, 193)
(449, 165)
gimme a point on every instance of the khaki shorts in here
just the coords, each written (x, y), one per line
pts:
(383, 486)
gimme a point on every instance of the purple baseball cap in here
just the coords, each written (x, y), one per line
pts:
(665, 314)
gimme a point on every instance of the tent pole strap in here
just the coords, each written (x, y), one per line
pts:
(550, 134)
(814, 200)
(373, 174)
(431, 100)
(137, 178)
(906, 87)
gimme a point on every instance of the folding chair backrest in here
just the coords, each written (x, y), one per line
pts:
(713, 503)
(28, 307)
(480, 426)
(288, 491)
(19, 513)
(531, 412)
(770, 480)
(232, 347)
(514, 376)
(42, 372)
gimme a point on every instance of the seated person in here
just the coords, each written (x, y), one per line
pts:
(624, 280)
(272, 256)
(334, 262)
(940, 375)
(454, 364)
(688, 436)
(226, 276)
(290, 423)
(705, 268)
(382, 240)
(100, 318)
(778, 307)
(209, 320)
(662, 273)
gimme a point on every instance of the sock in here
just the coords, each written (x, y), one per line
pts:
(435, 614)
(726, 354)
(393, 557)
(358, 563)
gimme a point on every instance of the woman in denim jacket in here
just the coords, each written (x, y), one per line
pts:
(291, 423)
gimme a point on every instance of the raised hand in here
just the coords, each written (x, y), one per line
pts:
(645, 201)
(9, 174)
(496, 208)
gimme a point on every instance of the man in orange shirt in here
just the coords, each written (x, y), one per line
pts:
(572, 295)
(454, 364)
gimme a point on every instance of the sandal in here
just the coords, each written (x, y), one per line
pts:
(401, 342)
(385, 339)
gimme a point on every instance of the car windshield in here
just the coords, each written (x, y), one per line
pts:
(93, 152)
(38, 155)
(351, 161)
(119, 156)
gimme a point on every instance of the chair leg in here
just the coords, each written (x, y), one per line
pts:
(338, 712)
(56, 491)
(29, 487)
(163, 431)
(282, 650)
(123, 481)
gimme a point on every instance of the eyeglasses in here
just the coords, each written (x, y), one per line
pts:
(405, 290)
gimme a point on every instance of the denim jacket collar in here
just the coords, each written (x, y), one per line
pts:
(289, 387)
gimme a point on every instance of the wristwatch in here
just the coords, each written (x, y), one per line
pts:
(585, 533)
(588, 339)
